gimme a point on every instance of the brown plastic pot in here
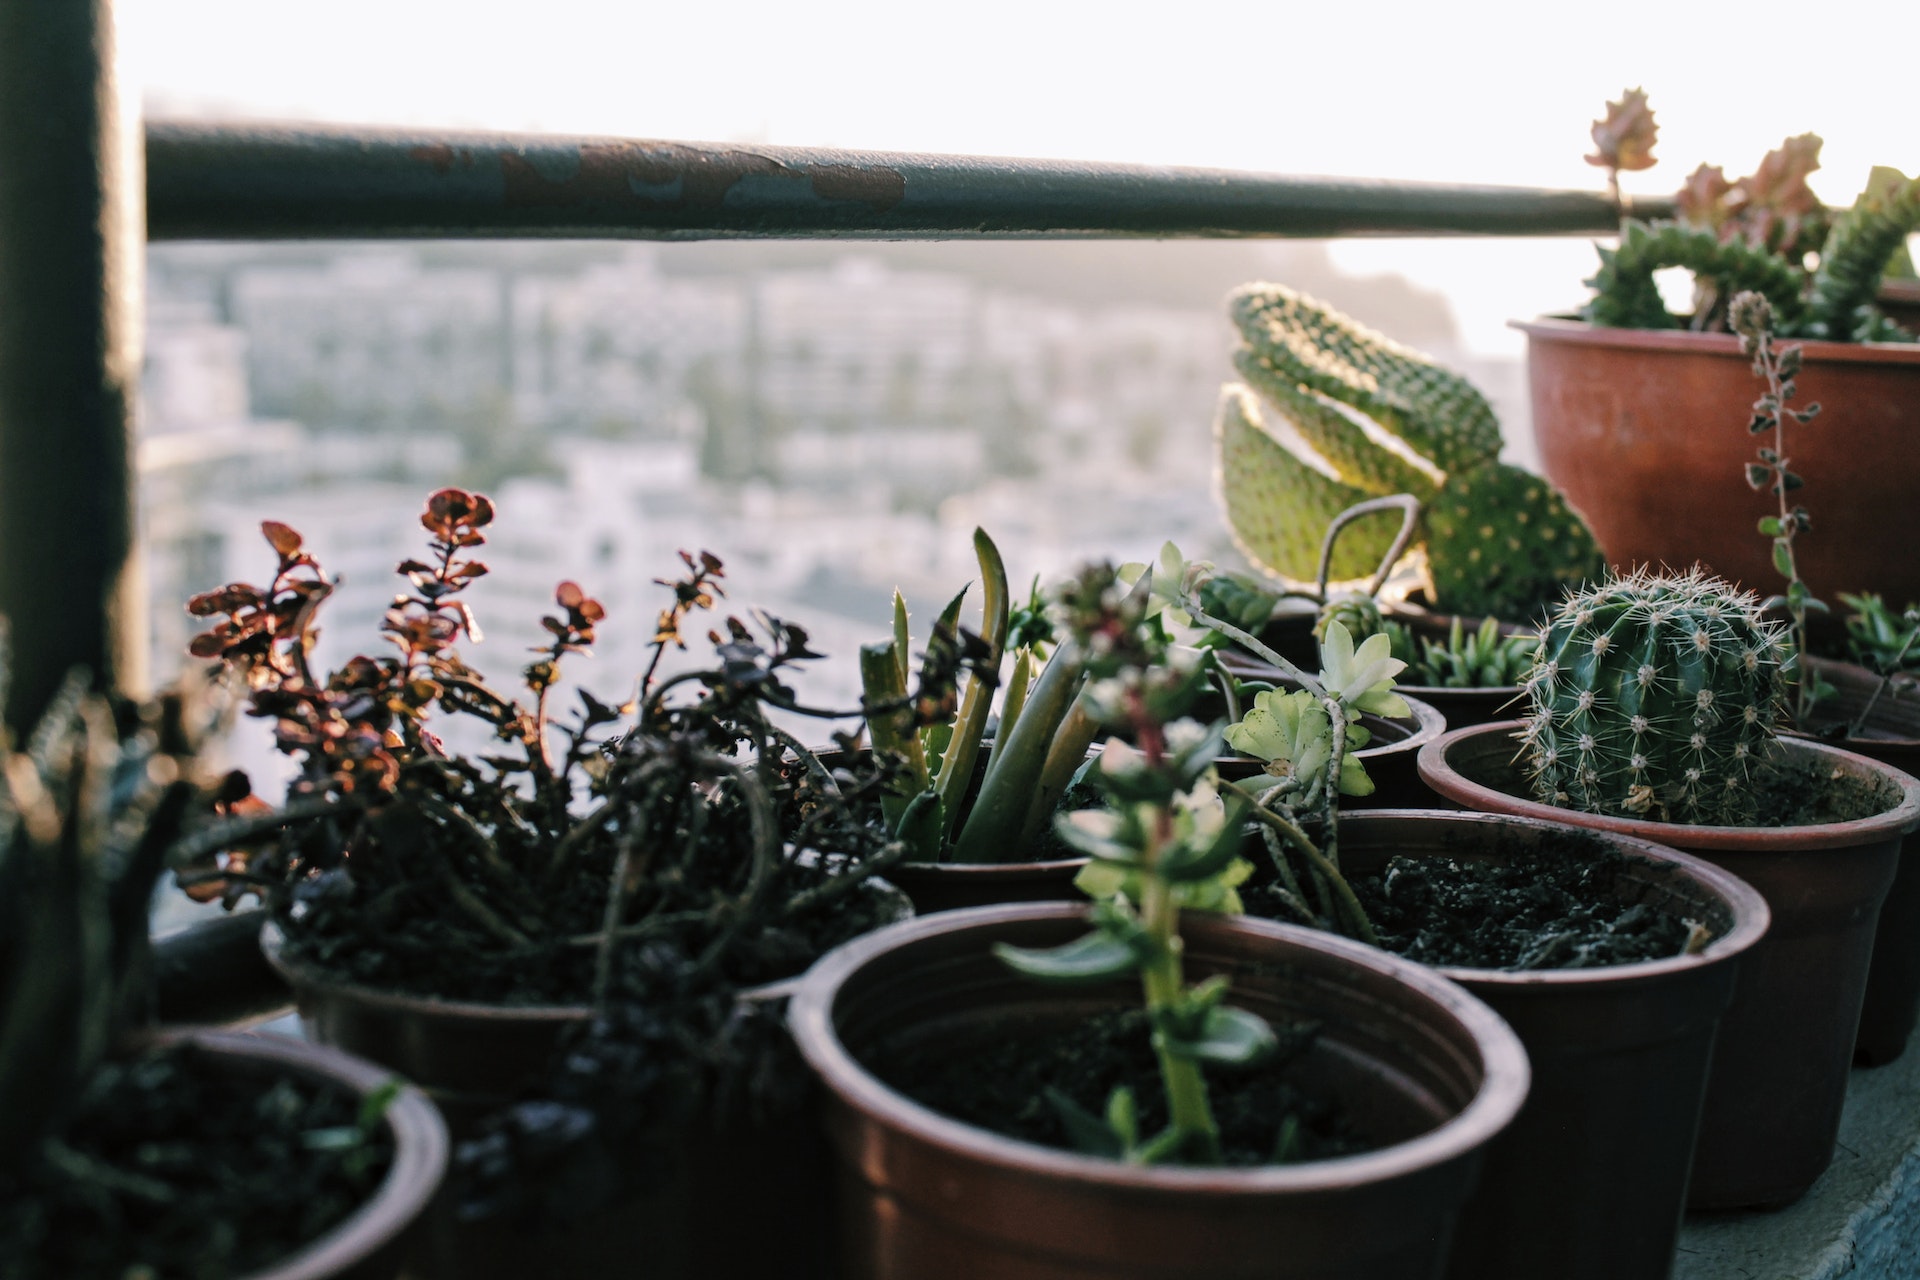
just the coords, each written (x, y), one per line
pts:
(1642, 431)
(1780, 1070)
(1590, 1182)
(1411, 1055)
(1891, 735)
(476, 1058)
(370, 1243)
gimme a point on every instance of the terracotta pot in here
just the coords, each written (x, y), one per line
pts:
(1642, 429)
(1891, 735)
(1899, 301)
(370, 1243)
(1780, 1072)
(929, 1198)
(1590, 1181)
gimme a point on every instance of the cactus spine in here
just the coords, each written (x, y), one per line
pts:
(1656, 696)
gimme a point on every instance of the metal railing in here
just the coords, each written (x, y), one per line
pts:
(253, 182)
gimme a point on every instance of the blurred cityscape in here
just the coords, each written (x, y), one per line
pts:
(832, 421)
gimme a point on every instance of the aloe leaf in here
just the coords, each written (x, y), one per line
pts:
(957, 767)
(902, 638)
(991, 832)
(892, 730)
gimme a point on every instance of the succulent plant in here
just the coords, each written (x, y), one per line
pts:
(1656, 695)
(1754, 233)
(89, 806)
(1498, 540)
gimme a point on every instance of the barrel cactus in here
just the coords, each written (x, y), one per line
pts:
(1656, 696)
(1368, 418)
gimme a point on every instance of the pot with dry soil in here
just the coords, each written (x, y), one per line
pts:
(1398, 1062)
(1584, 943)
(1780, 1069)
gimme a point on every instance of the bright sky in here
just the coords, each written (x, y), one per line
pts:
(1498, 91)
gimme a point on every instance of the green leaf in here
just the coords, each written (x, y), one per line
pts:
(1783, 557)
(1770, 526)
(1229, 1036)
(373, 1107)
(1198, 863)
(1094, 958)
(1123, 1117)
(1089, 1134)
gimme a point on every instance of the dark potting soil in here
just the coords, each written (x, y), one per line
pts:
(999, 1081)
(1792, 797)
(1559, 907)
(434, 956)
(175, 1169)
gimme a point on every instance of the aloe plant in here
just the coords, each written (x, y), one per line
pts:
(934, 735)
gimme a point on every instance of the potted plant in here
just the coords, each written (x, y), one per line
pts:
(940, 1102)
(1620, 395)
(128, 1151)
(1652, 713)
(976, 844)
(1872, 702)
(470, 918)
(1627, 953)
(450, 912)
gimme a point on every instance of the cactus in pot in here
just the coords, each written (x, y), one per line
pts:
(1656, 695)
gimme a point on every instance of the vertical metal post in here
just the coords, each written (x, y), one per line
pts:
(72, 239)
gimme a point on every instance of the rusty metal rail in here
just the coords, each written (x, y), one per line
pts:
(261, 182)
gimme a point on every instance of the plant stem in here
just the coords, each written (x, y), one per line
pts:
(1187, 1107)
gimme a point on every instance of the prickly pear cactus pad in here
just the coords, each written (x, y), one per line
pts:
(1656, 696)
(1278, 506)
(1498, 537)
(1370, 418)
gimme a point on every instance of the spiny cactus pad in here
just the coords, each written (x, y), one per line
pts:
(1656, 696)
(1438, 413)
(1342, 388)
(1278, 507)
(1500, 539)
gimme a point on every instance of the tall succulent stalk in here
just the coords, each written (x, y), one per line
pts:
(1752, 319)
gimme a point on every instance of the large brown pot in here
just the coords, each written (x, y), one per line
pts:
(1890, 735)
(476, 1058)
(929, 1198)
(1589, 1183)
(370, 1243)
(1780, 1072)
(1642, 429)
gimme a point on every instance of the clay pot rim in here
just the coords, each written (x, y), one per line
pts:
(273, 941)
(1506, 1072)
(420, 1146)
(1579, 332)
(989, 872)
(1438, 772)
(1751, 915)
(300, 976)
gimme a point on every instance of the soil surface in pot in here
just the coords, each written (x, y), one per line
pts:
(1561, 908)
(1002, 1080)
(173, 1169)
